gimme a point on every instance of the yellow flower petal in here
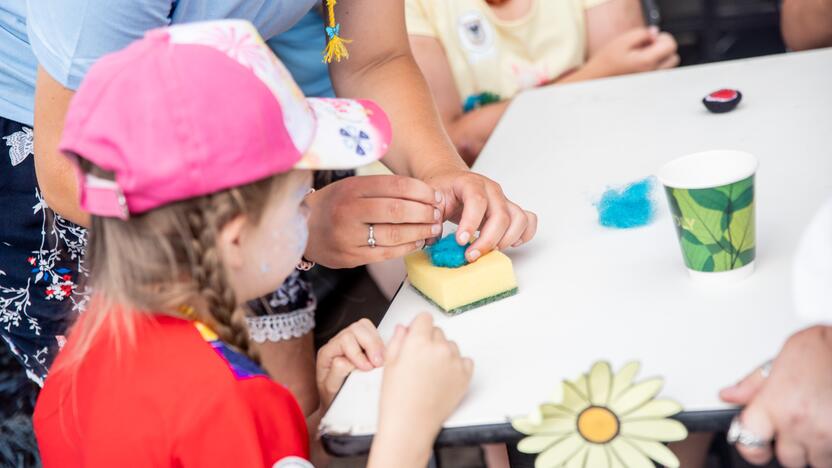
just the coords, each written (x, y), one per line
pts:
(582, 385)
(549, 426)
(551, 410)
(656, 409)
(624, 379)
(560, 453)
(628, 455)
(656, 451)
(537, 444)
(636, 396)
(597, 456)
(578, 460)
(600, 383)
(573, 398)
(614, 461)
(661, 430)
(525, 425)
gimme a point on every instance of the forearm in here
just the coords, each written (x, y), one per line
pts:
(471, 130)
(55, 172)
(588, 71)
(420, 145)
(807, 24)
(400, 449)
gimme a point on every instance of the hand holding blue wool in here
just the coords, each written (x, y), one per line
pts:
(448, 253)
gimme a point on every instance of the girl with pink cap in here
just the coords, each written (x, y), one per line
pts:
(158, 371)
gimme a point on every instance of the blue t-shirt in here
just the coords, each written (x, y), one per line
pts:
(300, 50)
(67, 36)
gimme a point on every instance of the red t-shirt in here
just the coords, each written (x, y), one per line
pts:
(175, 396)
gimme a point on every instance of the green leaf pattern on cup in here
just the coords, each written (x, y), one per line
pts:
(715, 225)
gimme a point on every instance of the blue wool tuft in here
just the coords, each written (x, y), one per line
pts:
(627, 207)
(447, 253)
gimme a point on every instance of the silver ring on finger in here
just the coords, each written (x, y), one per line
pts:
(737, 434)
(371, 238)
(765, 369)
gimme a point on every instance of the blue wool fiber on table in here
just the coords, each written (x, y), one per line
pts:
(628, 206)
(447, 253)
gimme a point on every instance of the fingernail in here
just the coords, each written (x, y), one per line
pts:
(436, 215)
(464, 237)
(430, 241)
(654, 30)
(436, 229)
(473, 255)
(438, 196)
(377, 360)
(420, 244)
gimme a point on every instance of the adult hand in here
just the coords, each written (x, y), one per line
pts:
(792, 405)
(637, 50)
(404, 213)
(476, 202)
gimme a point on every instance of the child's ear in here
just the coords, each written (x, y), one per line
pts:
(229, 242)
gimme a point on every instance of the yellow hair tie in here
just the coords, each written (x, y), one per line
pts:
(336, 45)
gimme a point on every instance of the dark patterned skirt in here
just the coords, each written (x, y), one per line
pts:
(41, 259)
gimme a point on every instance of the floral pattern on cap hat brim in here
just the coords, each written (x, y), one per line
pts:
(240, 40)
(349, 134)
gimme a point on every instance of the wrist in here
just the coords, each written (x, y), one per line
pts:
(596, 68)
(441, 169)
(405, 447)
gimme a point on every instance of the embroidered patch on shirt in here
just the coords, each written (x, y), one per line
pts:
(476, 34)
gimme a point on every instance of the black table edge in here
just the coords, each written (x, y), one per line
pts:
(345, 445)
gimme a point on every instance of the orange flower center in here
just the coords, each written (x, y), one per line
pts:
(598, 425)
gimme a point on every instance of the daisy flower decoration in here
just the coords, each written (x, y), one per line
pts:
(604, 420)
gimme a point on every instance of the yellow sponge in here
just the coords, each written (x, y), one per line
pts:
(456, 290)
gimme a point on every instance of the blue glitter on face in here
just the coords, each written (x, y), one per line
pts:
(447, 253)
(629, 206)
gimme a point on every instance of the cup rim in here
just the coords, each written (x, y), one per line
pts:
(682, 172)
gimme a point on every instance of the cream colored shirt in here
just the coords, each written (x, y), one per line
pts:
(490, 55)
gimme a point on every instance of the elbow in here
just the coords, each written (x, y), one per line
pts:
(60, 193)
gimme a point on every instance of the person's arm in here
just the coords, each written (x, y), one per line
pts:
(806, 24)
(618, 43)
(382, 68)
(609, 20)
(55, 173)
(67, 37)
(468, 130)
(790, 404)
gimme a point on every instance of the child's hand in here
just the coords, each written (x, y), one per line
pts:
(425, 378)
(358, 346)
(638, 50)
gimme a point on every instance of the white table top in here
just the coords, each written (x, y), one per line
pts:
(590, 293)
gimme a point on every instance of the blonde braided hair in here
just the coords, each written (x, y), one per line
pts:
(167, 258)
(208, 216)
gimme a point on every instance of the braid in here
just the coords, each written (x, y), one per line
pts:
(208, 272)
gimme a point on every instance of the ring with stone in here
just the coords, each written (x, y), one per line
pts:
(737, 434)
(371, 240)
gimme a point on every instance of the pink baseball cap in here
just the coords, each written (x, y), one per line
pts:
(198, 108)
